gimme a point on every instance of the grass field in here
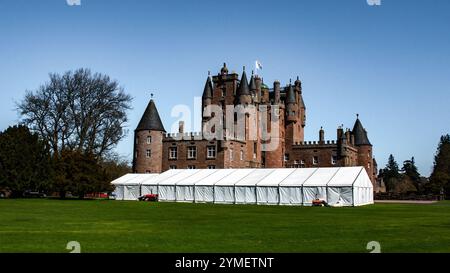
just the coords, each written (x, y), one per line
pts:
(113, 226)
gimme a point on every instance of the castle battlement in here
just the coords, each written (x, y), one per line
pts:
(316, 143)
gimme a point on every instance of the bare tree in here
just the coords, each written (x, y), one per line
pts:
(78, 111)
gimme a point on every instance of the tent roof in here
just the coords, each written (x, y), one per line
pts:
(345, 176)
(234, 177)
(254, 177)
(298, 177)
(193, 179)
(321, 177)
(215, 177)
(275, 177)
(173, 180)
(335, 177)
(124, 179)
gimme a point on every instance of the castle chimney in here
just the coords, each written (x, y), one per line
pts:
(340, 133)
(181, 127)
(276, 88)
(347, 135)
(321, 136)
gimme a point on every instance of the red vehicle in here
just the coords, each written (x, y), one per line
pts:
(149, 198)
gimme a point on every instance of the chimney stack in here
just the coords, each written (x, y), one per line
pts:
(181, 127)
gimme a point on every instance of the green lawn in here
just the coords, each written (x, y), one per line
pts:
(116, 226)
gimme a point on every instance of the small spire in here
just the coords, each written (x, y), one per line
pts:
(290, 81)
(253, 72)
(209, 73)
(244, 68)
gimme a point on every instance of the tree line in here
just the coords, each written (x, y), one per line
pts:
(64, 142)
(408, 179)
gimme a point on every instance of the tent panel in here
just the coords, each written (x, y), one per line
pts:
(119, 192)
(291, 196)
(204, 193)
(167, 193)
(131, 192)
(149, 189)
(311, 193)
(340, 196)
(234, 177)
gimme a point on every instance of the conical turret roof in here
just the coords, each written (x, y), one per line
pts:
(150, 119)
(360, 134)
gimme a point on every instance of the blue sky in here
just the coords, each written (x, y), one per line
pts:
(390, 64)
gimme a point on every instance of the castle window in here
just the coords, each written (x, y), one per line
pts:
(192, 152)
(137, 140)
(302, 163)
(224, 92)
(211, 152)
(231, 154)
(173, 153)
(137, 154)
(173, 167)
(149, 139)
(334, 160)
(148, 153)
(296, 164)
(211, 167)
(286, 157)
(315, 160)
(368, 165)
(254, 149)
(242, 155)
(191, 167)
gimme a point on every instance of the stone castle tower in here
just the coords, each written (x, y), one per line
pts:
(148, 142)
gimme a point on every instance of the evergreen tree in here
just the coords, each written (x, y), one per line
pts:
(79, 173)
(440, 177)
(391, 174)
(410, 170)
(25, 161)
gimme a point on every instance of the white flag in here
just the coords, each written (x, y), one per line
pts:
(258, 65)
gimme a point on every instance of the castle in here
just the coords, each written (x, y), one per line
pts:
(156, 151)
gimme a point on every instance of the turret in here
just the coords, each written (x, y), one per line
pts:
(207, 93)
(148, 142)
(361, 141)
(243, 95)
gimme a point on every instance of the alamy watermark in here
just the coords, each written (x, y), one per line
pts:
(374, 2)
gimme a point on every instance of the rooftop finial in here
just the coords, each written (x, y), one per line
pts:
(209, 73)
(298, 78)
(151, 95)
(357, 116)
(244, 68)
(290, 81)
(253, 72)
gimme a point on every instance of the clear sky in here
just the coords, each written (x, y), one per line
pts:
(390, 63)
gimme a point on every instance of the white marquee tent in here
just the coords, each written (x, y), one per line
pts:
(345, 186)
(128, 187)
